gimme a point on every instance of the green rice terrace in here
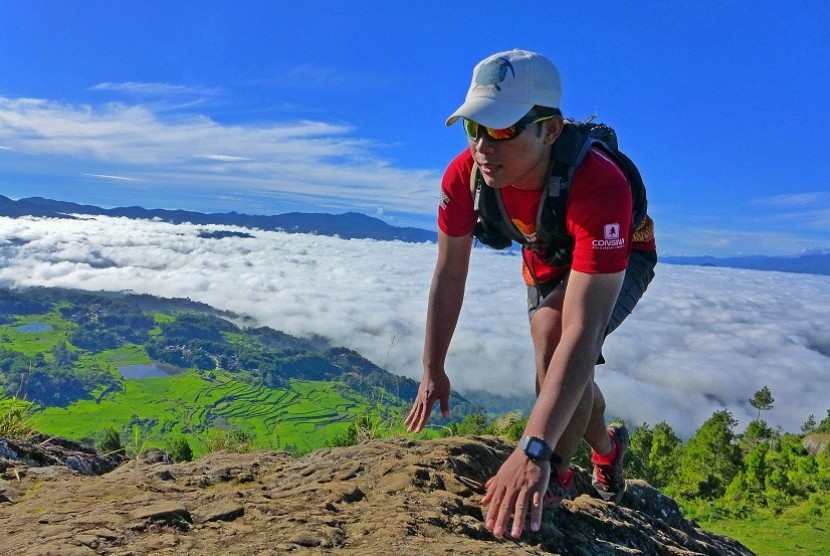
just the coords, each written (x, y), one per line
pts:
(157, 370)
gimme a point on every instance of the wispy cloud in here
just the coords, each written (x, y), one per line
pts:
(140, 89)
(115, 178)
(795, 200)
(802, 210)
(223, 157)
(302, 158)
(700, 340)
(316, 76)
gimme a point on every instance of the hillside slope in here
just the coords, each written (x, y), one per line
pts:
(175, 368)
(376, 498)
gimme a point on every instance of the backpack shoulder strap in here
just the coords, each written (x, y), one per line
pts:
(579, 138)
(475, 186)
(491, 228)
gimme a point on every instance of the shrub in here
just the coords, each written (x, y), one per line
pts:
(179, 449)
(15, 423)
(110, 442)
(238, 441)
(369, 425)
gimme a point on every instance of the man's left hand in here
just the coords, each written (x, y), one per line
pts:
(518, 488)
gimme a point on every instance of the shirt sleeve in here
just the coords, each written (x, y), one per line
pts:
(456, 216)
(599, 215)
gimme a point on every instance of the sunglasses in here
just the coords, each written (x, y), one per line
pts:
(473, 129)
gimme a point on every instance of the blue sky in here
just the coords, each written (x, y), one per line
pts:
(268, 107)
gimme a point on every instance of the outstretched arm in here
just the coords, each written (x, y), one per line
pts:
(519, 485)
(446, 295)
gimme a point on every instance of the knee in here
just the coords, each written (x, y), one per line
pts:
(545, 329)
(599, 400)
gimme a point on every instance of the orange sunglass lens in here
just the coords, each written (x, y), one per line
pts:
(472, 129)
(502, 134)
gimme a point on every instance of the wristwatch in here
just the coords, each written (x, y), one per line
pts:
(535, 448)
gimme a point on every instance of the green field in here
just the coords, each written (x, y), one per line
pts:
(41, 341)
(794, 532)
(300, 415)
(305, 416)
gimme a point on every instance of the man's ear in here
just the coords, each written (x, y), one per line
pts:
(553, 129)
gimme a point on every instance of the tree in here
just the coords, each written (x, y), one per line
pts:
(653, 454)
(666, 448)
(636, 460)
(809, 426)
(710, 460)
(473, 424)
(824, 426)
(762, 400)
(756, 432)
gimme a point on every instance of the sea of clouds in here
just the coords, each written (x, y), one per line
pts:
(702, 339)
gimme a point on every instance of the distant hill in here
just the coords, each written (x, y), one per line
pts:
(808, 263)
(353, 225)
(350, 225)
(176, 367)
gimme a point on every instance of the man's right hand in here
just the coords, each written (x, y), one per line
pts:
(434, 387)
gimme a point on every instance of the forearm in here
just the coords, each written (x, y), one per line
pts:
(445, 300)
(570, 370)
(445, 297)
(589, 300)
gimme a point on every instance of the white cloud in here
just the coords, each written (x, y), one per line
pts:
(300, 159)
(115, 178)
(701, 339)
(808, 200)
(152, 89)
(222, 157)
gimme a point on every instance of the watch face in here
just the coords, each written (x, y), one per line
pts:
(535, 449)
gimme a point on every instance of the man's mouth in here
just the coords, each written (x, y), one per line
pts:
(488, 167)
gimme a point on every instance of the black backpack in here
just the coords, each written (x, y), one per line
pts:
(496, 230)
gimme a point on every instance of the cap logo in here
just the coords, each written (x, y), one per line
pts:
(493, 73)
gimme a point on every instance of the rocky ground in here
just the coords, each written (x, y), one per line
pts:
(377, 498)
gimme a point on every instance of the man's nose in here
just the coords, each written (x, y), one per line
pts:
(484, 143)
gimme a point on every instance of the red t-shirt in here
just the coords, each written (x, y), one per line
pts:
(597, 215)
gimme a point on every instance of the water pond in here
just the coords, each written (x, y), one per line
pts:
(142, 371)
(34, 327)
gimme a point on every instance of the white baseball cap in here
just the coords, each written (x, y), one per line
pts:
(506, 86)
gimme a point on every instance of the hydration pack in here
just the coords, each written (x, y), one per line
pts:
(495, 229)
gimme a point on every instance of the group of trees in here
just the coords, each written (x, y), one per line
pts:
(719, 472)
(50, 381)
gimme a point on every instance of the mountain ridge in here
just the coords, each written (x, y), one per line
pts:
(349, 225)
(805, 263)
(355, 225)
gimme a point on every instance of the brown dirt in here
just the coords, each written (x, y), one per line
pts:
(378, 498)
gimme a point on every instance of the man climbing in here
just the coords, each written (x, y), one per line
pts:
(585, 270)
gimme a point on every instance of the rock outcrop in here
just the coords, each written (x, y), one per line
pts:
(377, 498)
(816, 443)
